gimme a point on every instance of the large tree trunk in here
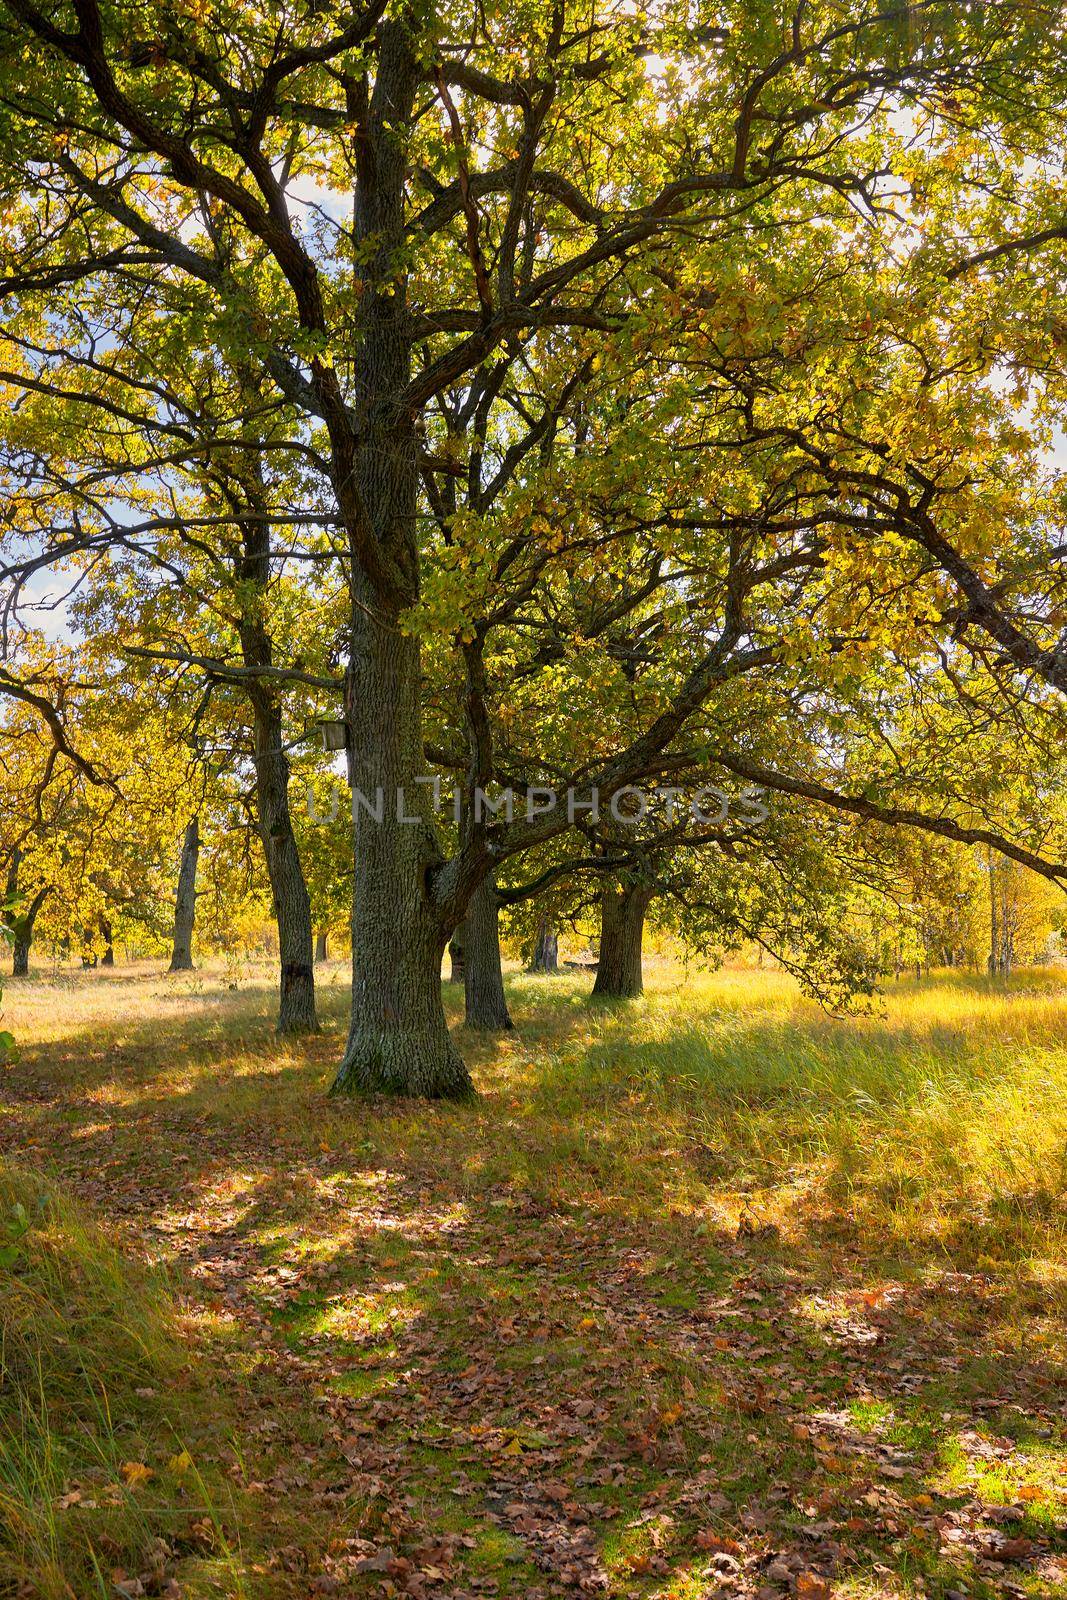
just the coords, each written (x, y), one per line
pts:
(289, 894)
(483, 977)
(108, 957)
(546, 949)
(20, 923)
(618, 975)
(398, 1040)
(320, 947)
(181, 959)
(292, 904)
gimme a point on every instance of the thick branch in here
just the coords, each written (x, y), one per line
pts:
(891, 816)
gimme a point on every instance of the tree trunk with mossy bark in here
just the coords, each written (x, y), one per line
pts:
(483, 976)
(20, 922)
(619, 975)
(181, 959)
(288, 887)
(398, 1040)
(292, 904)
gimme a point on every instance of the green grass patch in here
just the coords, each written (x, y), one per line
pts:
(96, 1474)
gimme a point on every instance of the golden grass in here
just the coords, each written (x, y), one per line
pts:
(937, 1120)
(93, 1355)
(722, 1119)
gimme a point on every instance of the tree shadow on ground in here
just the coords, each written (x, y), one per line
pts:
(577, 1336)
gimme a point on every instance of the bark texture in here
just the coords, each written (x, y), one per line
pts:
(320, 947)
(483, 977)
(181, 959)
(398, 1040)
(619, 975)
(288, 887)
(545, 958)
(292, 904)
(456, 954)
(20, 922)
(108, 957)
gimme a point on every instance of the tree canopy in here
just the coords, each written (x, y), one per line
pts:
(592, 396)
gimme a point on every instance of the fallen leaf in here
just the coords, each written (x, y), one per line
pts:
(811, 1586)
(707, 1539)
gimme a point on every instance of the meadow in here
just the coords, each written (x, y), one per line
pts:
(707, 1294)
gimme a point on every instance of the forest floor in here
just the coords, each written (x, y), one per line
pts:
(706, 1295)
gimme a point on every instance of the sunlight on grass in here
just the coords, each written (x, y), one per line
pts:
(938, 1119)
(710, 1237)
(942, 1116)
(94, 1474)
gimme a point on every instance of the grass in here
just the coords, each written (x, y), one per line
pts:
(91, 1358)
(707, 1292)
